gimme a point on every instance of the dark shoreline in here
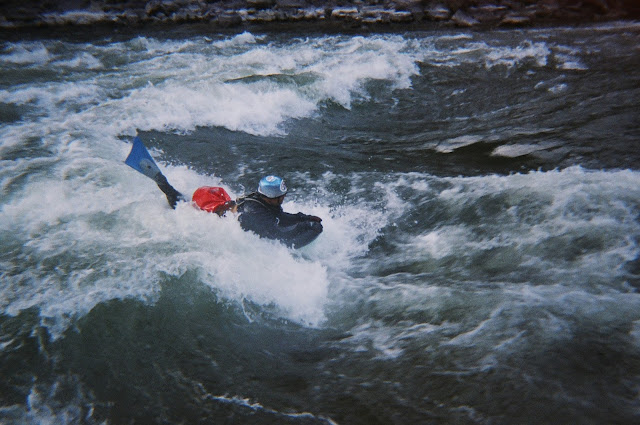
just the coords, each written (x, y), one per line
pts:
(89, 16)
(162, 31)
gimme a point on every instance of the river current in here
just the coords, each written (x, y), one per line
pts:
(480, 195)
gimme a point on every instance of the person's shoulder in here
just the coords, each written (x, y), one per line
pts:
(250, 202)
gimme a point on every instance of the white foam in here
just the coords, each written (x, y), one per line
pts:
(537, 51)
(540, 220)
(70, 264)
(54, 98)
(236, 107)
(568, 58)
(567, 62)
(115, 238)
(238, 40)
(345, 68)
(497, 322)
(117, 241)
(451, 145)
(186, 84)
(74, 18)
(180, 85)
(348, 231)
(558, 88)
(514, 151)
(389, 339)
(26, 53)
(148, 47)
(240, 266)
(91, 232)
(491, 56)
(440, 243)
(247, 403)
(264, 273)
(82, 61)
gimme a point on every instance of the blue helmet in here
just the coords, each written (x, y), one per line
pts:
(272, 187)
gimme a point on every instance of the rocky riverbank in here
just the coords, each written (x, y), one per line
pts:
(330, 14)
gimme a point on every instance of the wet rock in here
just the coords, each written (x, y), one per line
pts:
(438, 12)
(515, 19)
(176, 11)
(468, 13)
(462, 19)
(374, 15)
(489, 13)
(313, 14)
(547, 8)
(74, 18)
(349, 13)
(229, 19)
(400, 16)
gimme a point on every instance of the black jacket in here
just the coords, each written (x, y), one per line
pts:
(271, 222)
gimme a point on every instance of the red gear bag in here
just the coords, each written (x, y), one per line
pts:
(212, 199)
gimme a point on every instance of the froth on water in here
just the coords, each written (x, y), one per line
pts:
(479, 195)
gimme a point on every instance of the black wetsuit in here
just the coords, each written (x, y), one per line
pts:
(270, 221)
(173, 196)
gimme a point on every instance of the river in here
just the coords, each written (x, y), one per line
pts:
(480, 195)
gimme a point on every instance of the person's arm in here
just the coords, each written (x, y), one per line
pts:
(173, 196)
(308, 233)
(287, 219)
(297, 230)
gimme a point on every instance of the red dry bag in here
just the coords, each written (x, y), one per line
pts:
(212, 199)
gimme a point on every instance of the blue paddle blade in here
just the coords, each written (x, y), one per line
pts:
(140, 160)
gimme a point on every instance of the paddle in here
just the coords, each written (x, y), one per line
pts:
(140, 160)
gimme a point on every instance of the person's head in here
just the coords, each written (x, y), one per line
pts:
(272, 189)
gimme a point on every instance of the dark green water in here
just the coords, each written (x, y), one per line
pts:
(480, 194)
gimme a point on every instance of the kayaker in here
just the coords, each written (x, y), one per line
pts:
(261, 212)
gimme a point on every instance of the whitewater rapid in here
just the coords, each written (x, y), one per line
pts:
(480, 215)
